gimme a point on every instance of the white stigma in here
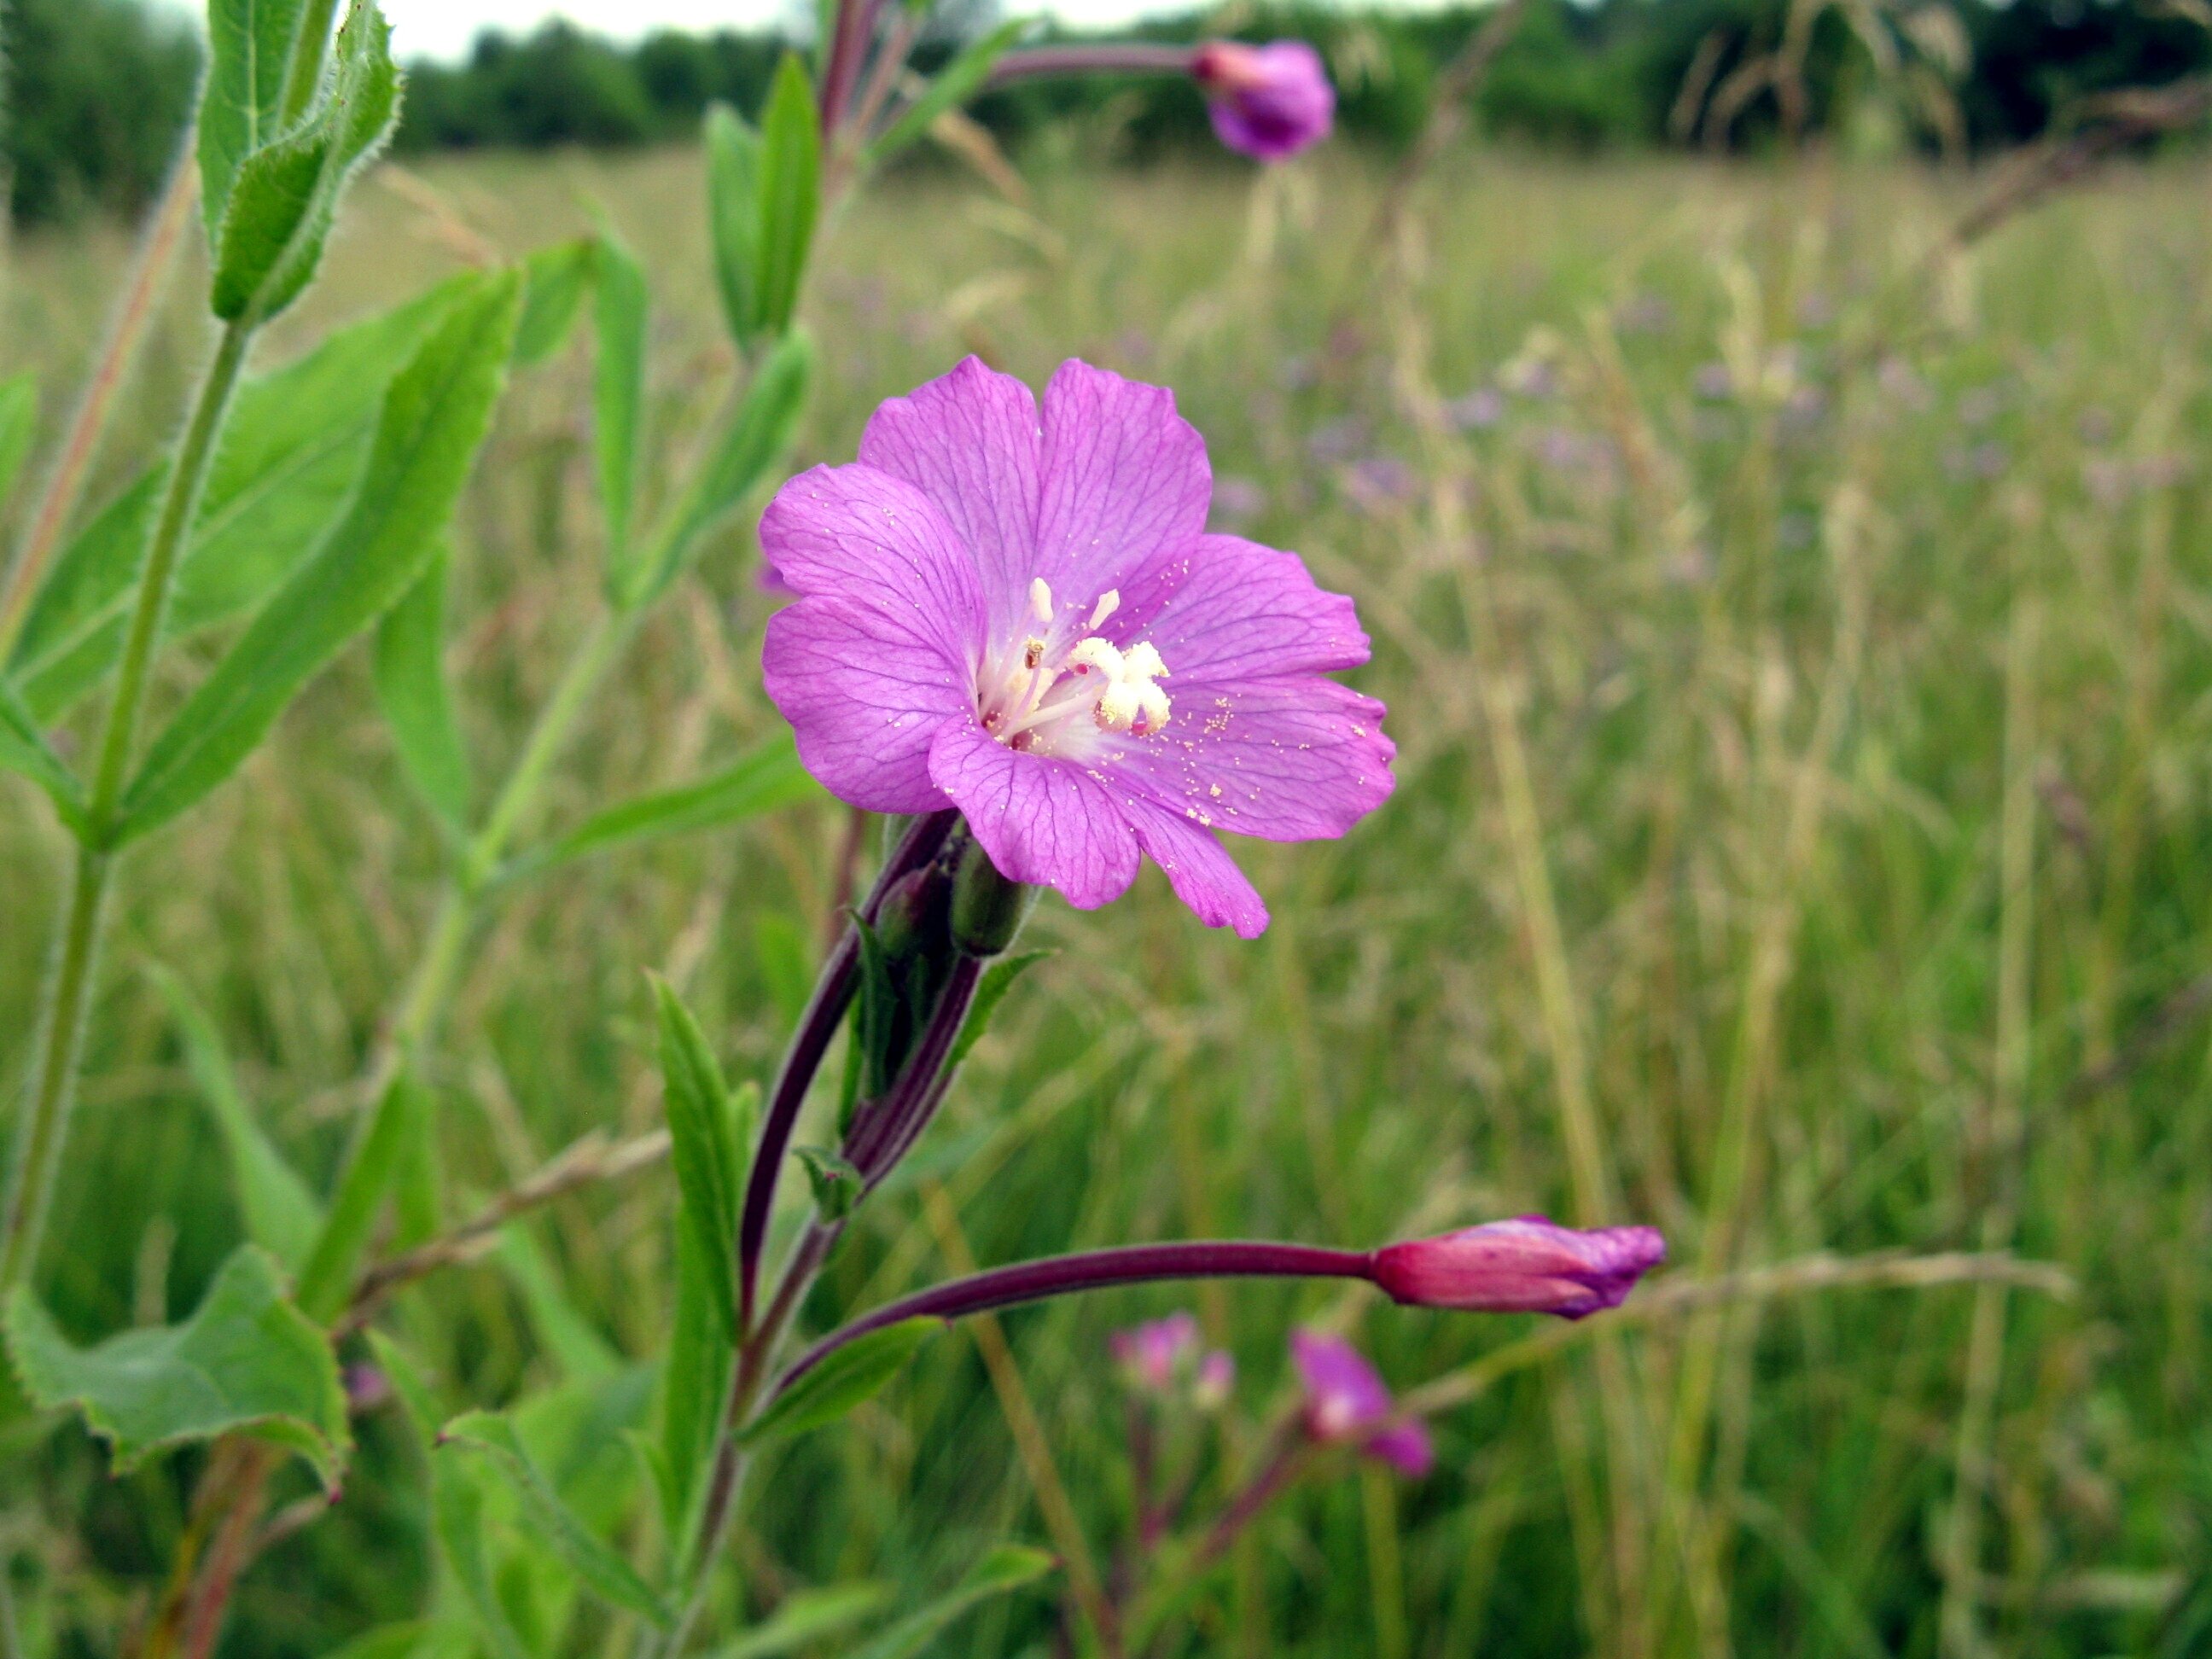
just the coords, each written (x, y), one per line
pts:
(1041, 599)
(1037, 687)
(1109, 603)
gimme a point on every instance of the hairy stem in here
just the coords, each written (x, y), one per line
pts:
(303, 72)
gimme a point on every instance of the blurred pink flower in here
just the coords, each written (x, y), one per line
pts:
(1152, 1354)
(1346, 1401)
(1267, 102)
(1526, 1265)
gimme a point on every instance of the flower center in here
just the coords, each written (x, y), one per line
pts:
(1054, 682)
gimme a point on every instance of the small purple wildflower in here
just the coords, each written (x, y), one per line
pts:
(1152, 1355)
(1343, 439)
(1217, 1376)
(990, 600)
(1477, 411)
(1268, 102)
(1237, 499)
(1379, 482)
(1527, 1265)
(1346, 1400)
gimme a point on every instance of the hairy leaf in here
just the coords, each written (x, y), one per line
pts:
(768, 777)
(693, 1382)
(617, 392)
(956, 83)
(411, 686)
(19, 425)
(282, 1213)
(436, 415)
(766, 422)
(710, 1171)
(805, 1616)
(326, 1281)
(247, 1360)
(249, 44)
(790, 191)
(606, 1573)
(734, 169)
(24, 748)
(556, 278)
(850, 1374)
(1003, 1570)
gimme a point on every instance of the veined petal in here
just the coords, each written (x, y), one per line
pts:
(1045, 822)
(1294, 759)
(868, 538)
(1199, 870)
(969, 441)
(865, 688)
(1124, 478)
(1222, 608)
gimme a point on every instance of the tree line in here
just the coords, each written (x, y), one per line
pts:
(98, 90)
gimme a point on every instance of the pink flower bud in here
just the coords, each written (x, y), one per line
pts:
(1267, 102)
(1347, 1400)
(1217, 1376)
(1149, 1355)
(1524, 1266)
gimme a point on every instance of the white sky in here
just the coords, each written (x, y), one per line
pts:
(447, 28)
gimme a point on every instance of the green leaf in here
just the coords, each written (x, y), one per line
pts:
(755, 440)
(848, 1377)
(606, 1573)
(285, 194)
(733, 168)
(768, 777)
(710, 1171)
(805, 1616)
(1003, 1570)
(326, 1281)
(410, 685)
(247, 1360)
(457, 1505)
(958, 82)
(291, 455)
(834, 1181)
(24, 748)
(282, 1213)
(693, 1383)
(617, 392)
(19, 425)
(398, 1641)
(555, 279)
(249, 44)
(790, 191)
(436, 415)
(990, 991)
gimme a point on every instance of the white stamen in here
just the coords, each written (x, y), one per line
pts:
(1041, 599)
(1095, 652)
(1153, 702)
(1109, 603)
(1144, 662)
(1120, 703)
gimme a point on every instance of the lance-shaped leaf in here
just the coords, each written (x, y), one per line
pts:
(19, 425)
(24, 748)
(768, 777)
(693, 1380)
(291, 455)
(556, 278)
(1002, 1570)
(790, 191)
(370, 1170)
(617, 390)
(282, 1214)
(285, 194)
(956, 83)
(411, 686)
(754, 441)
(247, 1360)
(436, 415)
(554, 1524)
(848, 1375)
(806, 1617)
(734, 169)
(709, 1174)
(249, 46)
(990, 991)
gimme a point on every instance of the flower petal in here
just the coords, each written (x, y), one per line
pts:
(864, 689)
(1222, 608)
(1045, 822)
(1294, 759)
(871, 539)
(1199, 870)
(969, 441)
(1406, 1447)
(1124, 478)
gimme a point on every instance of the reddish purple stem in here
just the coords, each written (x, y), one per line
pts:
(1118, 59)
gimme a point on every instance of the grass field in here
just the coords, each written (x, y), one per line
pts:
(1799, 651)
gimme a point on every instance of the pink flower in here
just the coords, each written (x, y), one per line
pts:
(1523, 1265)
(1217, 1376)
(1150, 1355)
(1346, 1401)
(1020, 613)
(1267, 102)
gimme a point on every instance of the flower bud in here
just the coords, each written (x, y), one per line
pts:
(1346, 1401)
(1523, 1265)
(988, 909)
(1150, 1355)
(1217, 1376)
(1267, 102)
(910, 921)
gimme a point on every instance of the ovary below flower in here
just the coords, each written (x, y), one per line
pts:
(1018, 611)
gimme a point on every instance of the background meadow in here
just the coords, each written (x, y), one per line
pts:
(1796, 640)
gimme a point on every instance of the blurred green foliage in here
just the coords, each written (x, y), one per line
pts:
(95, 105)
